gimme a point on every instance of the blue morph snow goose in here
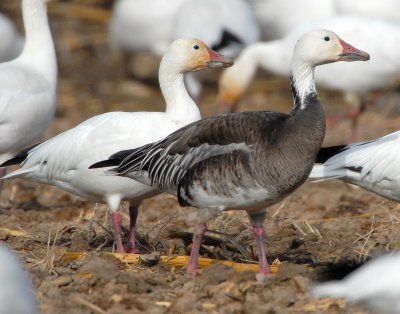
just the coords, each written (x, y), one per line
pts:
(247, 160)
(63, 160)
(372, 165)
(379, 38)
(28, 85)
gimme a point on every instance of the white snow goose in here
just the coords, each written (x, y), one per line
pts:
(356, 80)
(277, 18)
(381, 294)
(16, 292)
(226, 26)
(28, 85)
(385, 9)
(142, 25)
(372, 165)
(63, 161)
(12, 42)
(247, 160)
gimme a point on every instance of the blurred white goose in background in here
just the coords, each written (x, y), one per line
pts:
(372, 165)
(356, 80)
(16, 292)
(276, 18)
(226, 26)
(63, 161)
(376, 285)
(142, 25)
(11, 43)
(28, 85)
(387, 10)
(248, 160)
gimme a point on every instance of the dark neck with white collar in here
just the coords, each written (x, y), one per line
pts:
(303, 85)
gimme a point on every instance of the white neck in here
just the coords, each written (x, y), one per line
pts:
(39, 47)
(264, 55)
(274, 57)
(302, 75)
(179, 105)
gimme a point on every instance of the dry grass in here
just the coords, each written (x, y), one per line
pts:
(177, 261)
(48, 261)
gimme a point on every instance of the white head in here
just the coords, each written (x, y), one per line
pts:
(315, 48)
(187, 55)
(323, 46)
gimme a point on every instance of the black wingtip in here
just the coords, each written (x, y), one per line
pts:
(106, 163)
(227, 39)
(114, 160)
(13, 161)
(18, 158)
(327, 152)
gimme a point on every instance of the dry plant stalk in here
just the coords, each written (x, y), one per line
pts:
(363, 250)
(48, 260)
(179, 261)
(50, 254)
(89, 305)
(15, 233)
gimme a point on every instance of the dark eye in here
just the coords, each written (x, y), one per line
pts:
(326, 38)
(196, 47)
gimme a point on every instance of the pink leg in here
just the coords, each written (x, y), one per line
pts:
(3, 172)
(354, 116)
(334, 120)
(193, 263)
(131, 247)
(117, 220)
(259, 235)
(358, 107)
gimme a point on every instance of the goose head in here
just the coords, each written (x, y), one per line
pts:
(323, 46)
(312, 49)
(187, 55)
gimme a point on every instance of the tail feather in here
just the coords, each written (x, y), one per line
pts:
(327, 152)
(20, 172)
(320, 173)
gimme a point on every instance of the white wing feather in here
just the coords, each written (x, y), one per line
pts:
(372, 165)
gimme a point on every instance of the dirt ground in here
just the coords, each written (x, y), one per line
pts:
(319, 226)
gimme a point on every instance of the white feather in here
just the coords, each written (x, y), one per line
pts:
(12, 42)
(16, 293)
(28, 84)
(376, 285)
(379, 160)
(64, 160)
